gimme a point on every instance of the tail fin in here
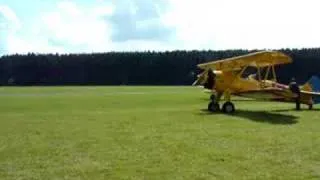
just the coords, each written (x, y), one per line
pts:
(313, 84)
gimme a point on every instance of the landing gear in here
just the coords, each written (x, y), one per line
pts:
(228, 107)
(213, 106)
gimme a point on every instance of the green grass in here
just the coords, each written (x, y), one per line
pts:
(151, 133)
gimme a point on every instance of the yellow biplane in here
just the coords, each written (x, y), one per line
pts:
(253, 75)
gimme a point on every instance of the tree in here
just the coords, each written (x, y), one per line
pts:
(135, 68)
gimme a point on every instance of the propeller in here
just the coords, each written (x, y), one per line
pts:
(211, 80)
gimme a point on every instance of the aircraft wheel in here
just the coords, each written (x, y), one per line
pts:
(213, 107)
(228, 107)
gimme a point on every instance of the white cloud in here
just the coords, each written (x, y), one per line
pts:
(67, 28)
(16, 44)
(201, 24)
(88, 29)
(71, 28)
(13, 42)
(9, 24)
(139, 20)
(245, 24)
(9, 19)
(75, 26)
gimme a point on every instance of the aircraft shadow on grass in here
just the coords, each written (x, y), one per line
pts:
(260, 116)
(294, 110)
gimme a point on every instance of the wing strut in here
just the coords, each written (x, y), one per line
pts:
(274, 74)
(267, 73)
(259, 75)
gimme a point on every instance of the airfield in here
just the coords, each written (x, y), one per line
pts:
(142, 132)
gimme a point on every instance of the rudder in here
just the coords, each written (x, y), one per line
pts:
(313, 84)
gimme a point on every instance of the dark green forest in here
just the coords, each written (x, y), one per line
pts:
(135, 68)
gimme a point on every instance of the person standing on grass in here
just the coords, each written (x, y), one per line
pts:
(294, 87)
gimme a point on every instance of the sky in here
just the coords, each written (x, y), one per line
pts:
(85, 26)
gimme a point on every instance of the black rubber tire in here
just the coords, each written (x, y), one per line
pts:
(213, 107)
(228, 107)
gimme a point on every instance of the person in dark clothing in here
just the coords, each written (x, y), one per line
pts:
(294, 87)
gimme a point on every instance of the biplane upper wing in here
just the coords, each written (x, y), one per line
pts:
(257, 59)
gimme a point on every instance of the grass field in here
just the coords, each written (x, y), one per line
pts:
(151, 133)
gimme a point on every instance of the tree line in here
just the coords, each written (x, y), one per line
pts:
(135, 68)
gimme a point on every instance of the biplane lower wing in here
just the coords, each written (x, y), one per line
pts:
(309, 91)
(267, 94)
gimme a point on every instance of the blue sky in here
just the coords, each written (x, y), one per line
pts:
(69, 26)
